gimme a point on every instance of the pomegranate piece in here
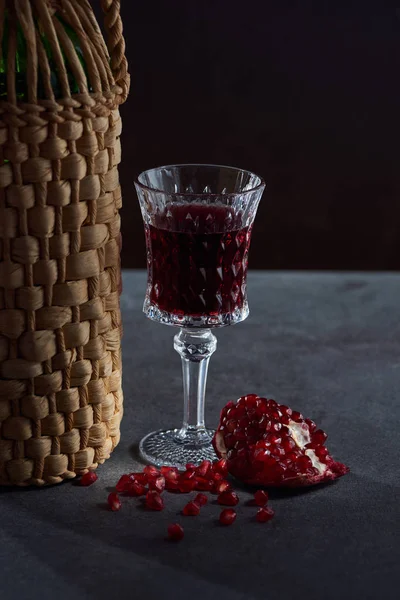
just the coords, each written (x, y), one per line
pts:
(88, 478)
(135, 489)
(201, 499)
(175, 532)
(268, 444)
(154, 500)
(227, 516)
(157, 484)
(114, 502)
(264, 514)
(191, 509)
(261, 498)
(228, 499)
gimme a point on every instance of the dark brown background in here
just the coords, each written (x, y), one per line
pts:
(307, 98)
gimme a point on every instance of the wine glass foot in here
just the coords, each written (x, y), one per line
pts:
(168, 448)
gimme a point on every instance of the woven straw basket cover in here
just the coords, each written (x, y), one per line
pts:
(60, 324)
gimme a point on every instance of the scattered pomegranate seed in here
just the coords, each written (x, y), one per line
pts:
(221, 486)
(123, 482)
(114, 502)
(201, 499)
(171, 486)
(139, 477)
(264, 514)
(190, 467)
(261, 497)
(191, 509)
(165, 470)
(157, 484)
(171, 475)
(154, 500)
(203, 468)
(135, 489)
(227, 516)
(186, 485)
(203, 485)
(188, 475)
(151, 471)
(228, 499)
(175, 532)
(88, 478)
(221, 467)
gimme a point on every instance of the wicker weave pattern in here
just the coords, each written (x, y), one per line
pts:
(60, 324)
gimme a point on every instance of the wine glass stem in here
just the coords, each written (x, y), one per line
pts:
(195, 348)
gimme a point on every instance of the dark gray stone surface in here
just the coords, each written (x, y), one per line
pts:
(329, 345)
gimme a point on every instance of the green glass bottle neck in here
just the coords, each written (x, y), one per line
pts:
(21, 88)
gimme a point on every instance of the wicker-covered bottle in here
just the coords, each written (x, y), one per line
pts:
(60, 324)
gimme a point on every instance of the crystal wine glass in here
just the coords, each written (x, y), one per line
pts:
(198, 221)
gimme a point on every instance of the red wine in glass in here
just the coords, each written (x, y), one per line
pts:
(198, 258)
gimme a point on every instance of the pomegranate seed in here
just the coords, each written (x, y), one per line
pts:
(114, 502)
(154, 500)
(273, 438)
(201, 499)
(203, 485)
(271, 404)
(175, 532)
(203, 468)
(312, 426)
(304, 463)
(190, 467)
(221, 466)
(88, 478)
(139, 477)
(228, 498)
(261, 498)
(296, 416)
(151, 471)
(186, 485)
(285, 410)
(171, 486)
(157, 484)
(227, 516)
(191, 509)
(172, 475)
(264, 514)
(188, 475)
(135, 489)
(123, 482)
(221, 486)
(288, 444)
(319, 437)
(166, 470)
(321, 452)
